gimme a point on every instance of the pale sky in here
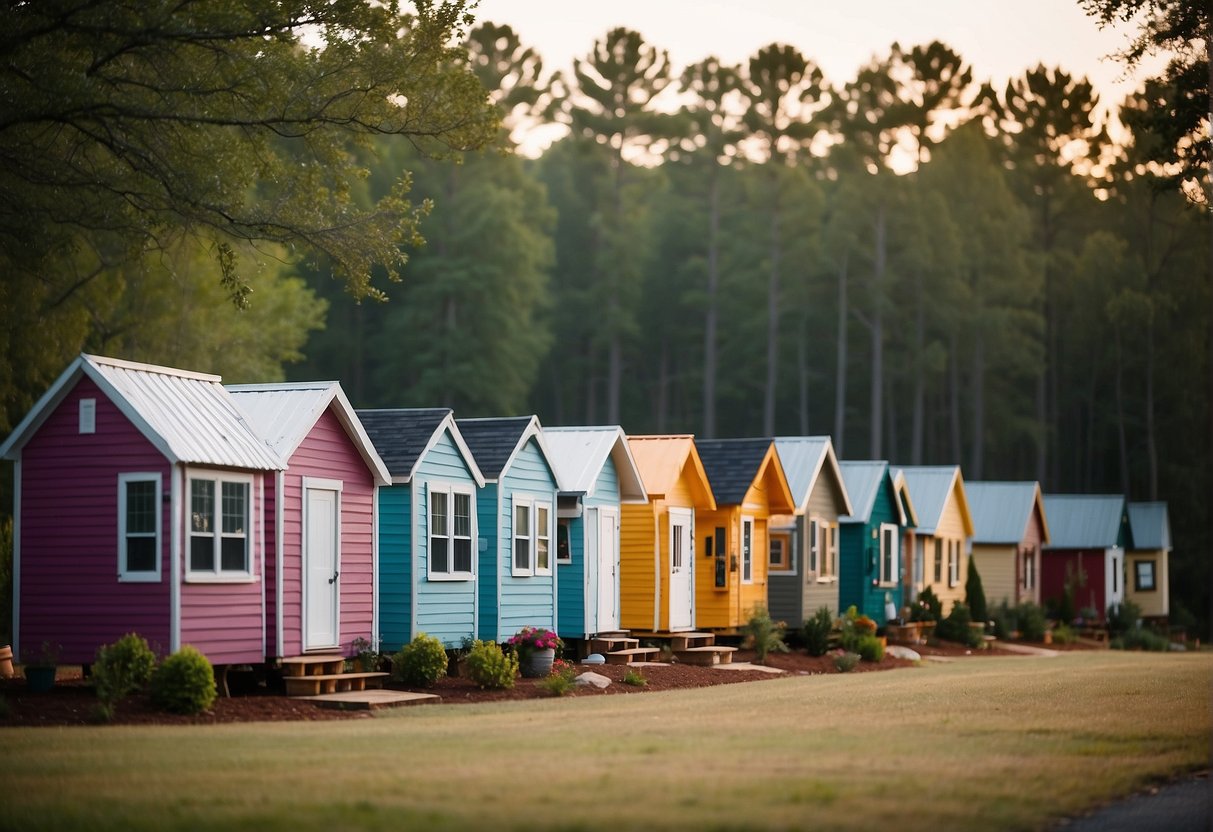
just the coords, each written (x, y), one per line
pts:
(999, 38)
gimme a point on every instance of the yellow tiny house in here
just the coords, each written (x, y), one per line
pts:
(657, 540)
(940, 559)
(733, 543)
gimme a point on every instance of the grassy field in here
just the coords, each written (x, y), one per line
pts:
(1004, 743)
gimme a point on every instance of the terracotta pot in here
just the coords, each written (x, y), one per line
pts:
(6, 662)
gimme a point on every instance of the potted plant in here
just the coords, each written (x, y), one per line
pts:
(536, 648)
(40, 673)
(365, 658)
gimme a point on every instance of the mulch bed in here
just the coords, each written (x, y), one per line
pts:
(72, 701)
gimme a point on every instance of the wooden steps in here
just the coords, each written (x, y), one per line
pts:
(686, 641)
(320, 674)
(630, 655)
(707, 655)
(603, 643)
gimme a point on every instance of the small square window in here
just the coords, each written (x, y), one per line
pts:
(1143, 576)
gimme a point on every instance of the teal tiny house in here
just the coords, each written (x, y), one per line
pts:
(427, 526)
(597, 475)
(872, 549)
(516, 517)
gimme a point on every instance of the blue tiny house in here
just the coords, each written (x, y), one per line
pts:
(597, 475)
(516, 518)
(427, 526)
(872, 550)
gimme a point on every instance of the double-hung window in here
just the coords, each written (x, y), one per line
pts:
(1029, 568)
(939, 555)
(450, 530)
(747, 550)
(532, 537)
(888, 554)
(953, 562)
(1143, 576)
(220, 527)
(139, 527)
(814, 547)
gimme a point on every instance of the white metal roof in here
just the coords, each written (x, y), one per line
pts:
(579, 454)
(285, 413)
(187, 416)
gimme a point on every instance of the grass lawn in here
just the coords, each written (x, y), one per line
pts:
(995, 743)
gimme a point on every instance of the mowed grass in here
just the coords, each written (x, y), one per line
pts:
(997, 743)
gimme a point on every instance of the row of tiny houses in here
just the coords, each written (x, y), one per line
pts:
(258, 522)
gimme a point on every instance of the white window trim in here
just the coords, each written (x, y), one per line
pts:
(547, 535)
(450, 489)
(813, 533)
(220, 575)
(747, 555)
(517, 501)
(125, 576)
(827, 548)
(789, 563)
(953, 550)
(888, 556)
(88, 416)
(1137, 565)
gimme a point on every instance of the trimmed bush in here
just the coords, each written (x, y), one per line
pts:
(928, 608)
(1030, 621)
(184, 683)
(763, 634)
(1004, 621)
(1064, 634)
(421, 662)
(1140, 639)
(120, 669)
(870, 648)
(975, 594)
(846, 662)
(956, 627)
(634, 678)
(489, 667)
(1123, 617)
(560, 681)
(817, 632)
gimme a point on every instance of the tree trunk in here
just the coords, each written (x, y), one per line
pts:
(1121, 438)
(768, 401)
(954, 395)
(802, 370)
(663, 388)
(709, 324)
(918, 416)
(614, 312)
(977, 459)
(840, 367)
(877, 380)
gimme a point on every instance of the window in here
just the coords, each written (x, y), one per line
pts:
(1029, 568)
(522, 538)
(532, 538)
(779, 560)
(543, 540)
(888, 554)
(830, 548)
(1143, 576)
(219, 538)
(139, 527)
(88, 416)
(676, 535)
(450, 532)
(1115, 575)
(814, 547)
(564, 554)
(938, 561)
(747, 550)
(953, 562)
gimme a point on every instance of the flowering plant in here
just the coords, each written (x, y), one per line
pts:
(530, 639)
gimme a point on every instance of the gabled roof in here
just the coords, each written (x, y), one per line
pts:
(804, 460)
(733, 466)
(494, 442)
(403, 436)
(1085, 521)
(1150, 525)
(1003, 510)
(285, 413)
(189, 417)
(863, 479)
(661, 461)
(930, 486)
(579, 454)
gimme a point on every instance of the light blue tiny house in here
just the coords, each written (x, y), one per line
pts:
(597, 474)
(873, 552)
(427, 526)
(516, 517)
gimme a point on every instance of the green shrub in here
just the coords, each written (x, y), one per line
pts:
(489, 667)
(870, 648)
(817, 632)
(928, 608)
(956, 627)
(975, 594)
(1064, 634)
(845, 662)
(1004, 621)
(1030, 621)
(763, 634)
(633, 678)
(120, 669)
(1140, 639)
(1123, 617)
(560, 681)
(184, 683)
(421, 662)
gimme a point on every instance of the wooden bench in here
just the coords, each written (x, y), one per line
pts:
(706, 656)
(314, 685)
(630, 655)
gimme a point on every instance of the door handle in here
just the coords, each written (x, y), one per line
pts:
(334, 578)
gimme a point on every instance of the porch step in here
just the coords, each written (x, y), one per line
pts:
(313, 665)
(706, 656)
(314, 685)
(610, 643)
(631, 655)
(687, 641)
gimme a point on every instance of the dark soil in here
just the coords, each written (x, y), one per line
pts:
(73, 702)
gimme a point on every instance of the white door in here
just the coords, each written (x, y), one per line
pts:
(682, 587)
(608, 569)
(320, 565)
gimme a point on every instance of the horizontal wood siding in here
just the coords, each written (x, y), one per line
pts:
(579, 580)
(637, 581)
(446, 610)
(70, 593)
(526, 601)
(571, 581)
(1053, 577)
(269, 580)
(951, 527)
(996, 565)
(717, 607)
(859, 559)
(395, 577)
(487, 569)
(1156, 602)
(1033, 538)
(329, 453)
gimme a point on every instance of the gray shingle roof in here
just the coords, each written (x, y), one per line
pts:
(731, 465)
(493, 441)
(1084, 521)
(400, 435)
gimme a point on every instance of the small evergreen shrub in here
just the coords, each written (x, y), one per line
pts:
(489, 667)
(120, 669)
(763, 634)
(869, 648)
(928, 608)
(956, 627)
(1004, 621)
(184, 683)
(633, 678)
(975, 594)
(817, 632)
(846, 662)
(421, 662)
(1030, 621)
(1064, 634)
(1123, 617)
(1140, 639)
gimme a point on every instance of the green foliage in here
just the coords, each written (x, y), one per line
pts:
(846, 662)
(763, 634)
(1064, 634)
(1004, 621)
(421, 662)
(928, 608)
(956, 627)
(817, 632)
(634, 678)
(491, 668)
(122, 668)
(560, 681)
(184, 683)
(1123, 617)
(1030, 621)
(975, 594)
(870, 648)
(1140, 638)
